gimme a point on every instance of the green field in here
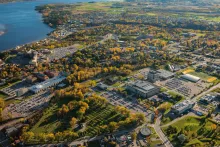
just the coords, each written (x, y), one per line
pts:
(201, 75)
(49, 123)
(202, 127)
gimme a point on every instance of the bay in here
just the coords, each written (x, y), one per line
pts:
(21, 24)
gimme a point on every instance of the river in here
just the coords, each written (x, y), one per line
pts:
(21, 24)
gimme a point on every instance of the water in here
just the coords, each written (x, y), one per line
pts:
(22, 24)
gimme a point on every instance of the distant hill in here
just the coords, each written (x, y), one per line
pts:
(179, 1)
(8, 1)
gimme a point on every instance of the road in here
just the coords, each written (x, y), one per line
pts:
(88, 139)
(205, 92)
(160, 133)
(157, 127)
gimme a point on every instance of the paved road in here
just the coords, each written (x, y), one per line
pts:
(205, 92)
(160, 133)
(157, 128)
(88, 139)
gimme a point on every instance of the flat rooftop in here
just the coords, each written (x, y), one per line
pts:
(182, 105)
(47, 83)
(143, 86)
(165, 73)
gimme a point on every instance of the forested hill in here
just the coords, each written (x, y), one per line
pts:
(204, 2)
(8, 1)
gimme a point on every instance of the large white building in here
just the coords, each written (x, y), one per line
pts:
(190, 78)
(47, 84)
(143, 88)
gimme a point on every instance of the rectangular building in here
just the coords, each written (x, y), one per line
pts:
(21, 91)
(182, 107)
(158, 75)
(143, 88)
(47, 84)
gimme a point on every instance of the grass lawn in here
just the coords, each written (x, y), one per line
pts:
(151, 14)
(102, 6)
(201, 75)
(49, 123)
(155, 142)
(191, 122)
(165, 120)
(192, 125)
(116, 84)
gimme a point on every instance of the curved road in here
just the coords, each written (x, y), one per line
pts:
(160, 133)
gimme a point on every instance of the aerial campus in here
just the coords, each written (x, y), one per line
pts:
(143, 73)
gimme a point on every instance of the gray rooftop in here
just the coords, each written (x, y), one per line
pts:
(182, 105)
(143, 86)
(47, 83)
(165, 73)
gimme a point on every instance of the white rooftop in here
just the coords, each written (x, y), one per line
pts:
(47, 83)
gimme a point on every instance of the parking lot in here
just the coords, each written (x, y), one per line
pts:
(117, 99)
(188, 89)
(28, 106)
(11, 91)
(62, 52)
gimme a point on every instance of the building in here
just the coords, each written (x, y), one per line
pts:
(153, 76)
(47, 84)
(51, 74)
(34, 57)
(21, 91)
(182, 107)
(102, 86)
(160, 74)
(190, 78)
(12, 131)
(164, 74)
(207, 99)
(165, 96)
(145, 131)
(112, 80)
(31, 79)
(143, 88)
(213, 99)
(41, 76)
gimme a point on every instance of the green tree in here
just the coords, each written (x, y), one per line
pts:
(113, 126)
